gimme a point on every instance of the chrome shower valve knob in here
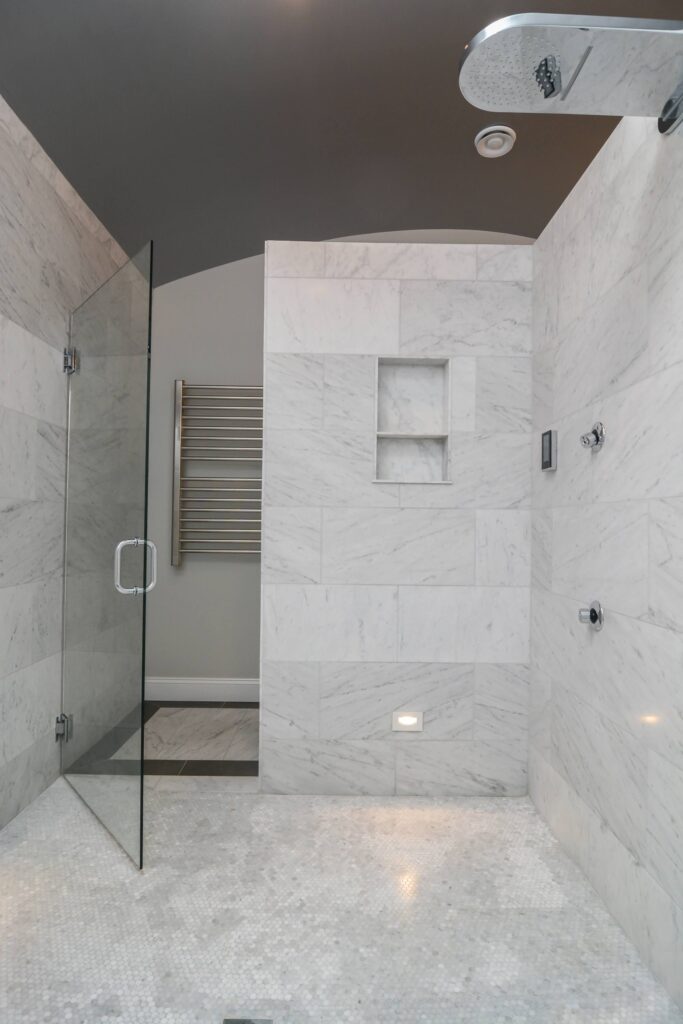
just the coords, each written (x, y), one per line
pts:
(595, 438)
(593, 616)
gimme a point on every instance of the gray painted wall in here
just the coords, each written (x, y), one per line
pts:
(203, 618)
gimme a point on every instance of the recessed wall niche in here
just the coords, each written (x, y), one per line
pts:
(412, 421)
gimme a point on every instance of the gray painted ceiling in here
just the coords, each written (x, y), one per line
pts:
(212, 125)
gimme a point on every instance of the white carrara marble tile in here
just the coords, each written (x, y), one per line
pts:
(463, 374)
(26, 776)
(605, 349)
(541, 548)
(645, 457)
(464, 624)
(627, 673)
(490, 470)
(452, 768)
(30, 622)
(398, 546)
(332, 316)
(501, 717)
(486, 471)
(18, 434)
(505, 262)
(295, 259)
(219, 734)
(642, 908)
(41, 284)
(412, 461)
(542, 389)
(30, 540)
(605, 765)
(503, 548)
(664, 309)
(503, 394)
(399, 260)
(664, 842)
(453, 318)
(320, 468)
(666, 563)
(350, 767)
(537, 921)
(290, 698)
(338, 623)
(291, 545)
(293, 392)
(412, 398)
(357, 700)
(32, 380)
(36, 155)
(349, 394)
(573, 481)
(29, 703)
(602, 550)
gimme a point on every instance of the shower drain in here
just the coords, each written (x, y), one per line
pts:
(245, 1020)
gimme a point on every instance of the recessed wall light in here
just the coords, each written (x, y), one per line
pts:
(407, 721)
(495, 140)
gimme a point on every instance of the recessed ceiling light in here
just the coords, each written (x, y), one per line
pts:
(407, 721)
(495, 140)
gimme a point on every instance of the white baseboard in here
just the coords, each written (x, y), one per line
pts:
(175, 688)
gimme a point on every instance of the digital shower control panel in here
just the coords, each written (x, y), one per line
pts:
(549, 450)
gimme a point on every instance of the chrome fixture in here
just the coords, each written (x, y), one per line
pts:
(576, 64)
(70, 360)
(593, 616)
(134, 542)
(549, 450)
(595, 438)
(217, 514)
(495, 141)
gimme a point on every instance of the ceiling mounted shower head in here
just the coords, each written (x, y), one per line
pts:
(571, 64)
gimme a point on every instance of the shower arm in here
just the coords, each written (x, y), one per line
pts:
(571, 64)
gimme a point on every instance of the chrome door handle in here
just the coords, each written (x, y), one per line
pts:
(134, 543)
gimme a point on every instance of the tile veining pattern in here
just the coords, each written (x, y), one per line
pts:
(385, 596)
(196, 733)
(53, 253)
(606, 766)
(309, 910)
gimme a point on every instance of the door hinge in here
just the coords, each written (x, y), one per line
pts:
(64, 727)
(70, 360)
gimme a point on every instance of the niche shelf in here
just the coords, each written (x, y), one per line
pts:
(412, 421)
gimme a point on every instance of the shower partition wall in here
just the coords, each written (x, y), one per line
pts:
(105, 581)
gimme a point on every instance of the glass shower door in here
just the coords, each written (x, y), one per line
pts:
(106, 567)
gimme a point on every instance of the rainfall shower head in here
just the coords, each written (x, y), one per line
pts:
(571, 64)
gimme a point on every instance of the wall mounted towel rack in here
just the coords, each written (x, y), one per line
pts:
(217, 514)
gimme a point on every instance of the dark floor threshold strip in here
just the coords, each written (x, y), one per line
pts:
(152, 706)
(242, 769)
(157, 766)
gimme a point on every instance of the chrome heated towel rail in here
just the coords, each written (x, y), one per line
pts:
(218, 514)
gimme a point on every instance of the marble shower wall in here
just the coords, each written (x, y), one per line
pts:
(53, 254)
(606, 713)
(385, 596)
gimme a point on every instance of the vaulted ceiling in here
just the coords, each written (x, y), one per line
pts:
(212, 125)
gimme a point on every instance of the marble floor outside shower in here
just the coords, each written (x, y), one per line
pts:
(307, 910)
